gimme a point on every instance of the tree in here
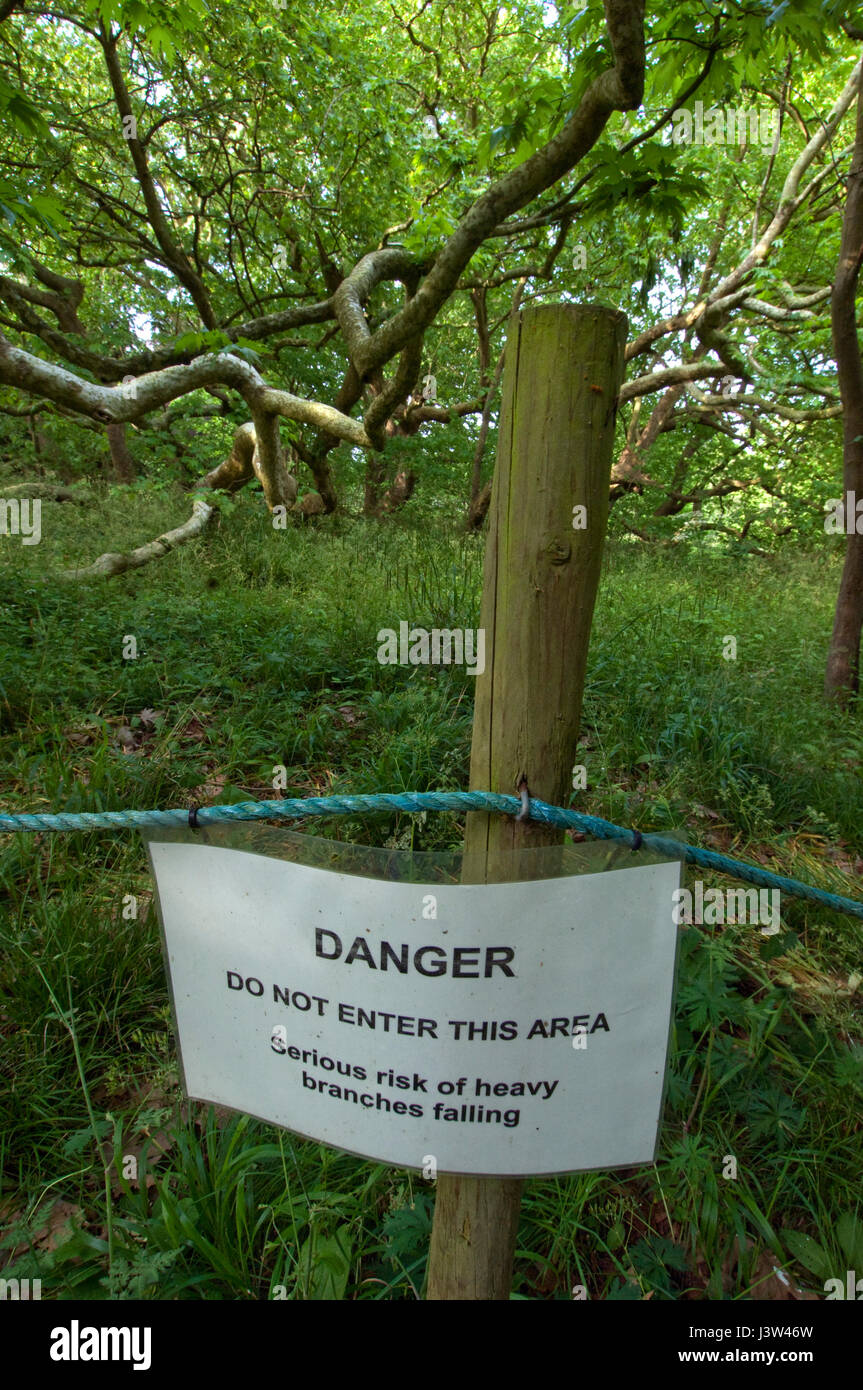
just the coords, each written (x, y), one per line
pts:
(290, 213)
(144, 207)
(843, 661)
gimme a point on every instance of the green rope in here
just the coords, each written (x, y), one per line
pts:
(291, 808)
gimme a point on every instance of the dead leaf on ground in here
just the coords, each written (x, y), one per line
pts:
(193, 731)
(770, 1281)
(349, 714)
(146, 1154)
(209, 790)
(89, 731)
(50, 1233)
(767, 1280)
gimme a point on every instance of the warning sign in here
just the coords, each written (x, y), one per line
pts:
(500, 1029)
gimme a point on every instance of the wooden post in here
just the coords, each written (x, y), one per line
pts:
(564, 364)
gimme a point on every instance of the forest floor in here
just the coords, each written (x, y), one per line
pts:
(258, 647)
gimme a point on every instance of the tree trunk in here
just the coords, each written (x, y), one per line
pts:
(843, 661)
(563, 369)
(124, 465)
(478, 508)
(400, 490)
(374, 481)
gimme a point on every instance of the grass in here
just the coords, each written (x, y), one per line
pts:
(257, 649)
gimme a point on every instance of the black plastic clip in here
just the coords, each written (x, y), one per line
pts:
(193, 818)
(636, 839)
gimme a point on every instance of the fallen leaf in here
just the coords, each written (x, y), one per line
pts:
(126, 739)
(59, 1217)
(209, 790)
(194, 731)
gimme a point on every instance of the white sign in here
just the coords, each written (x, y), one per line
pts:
(502, 1029)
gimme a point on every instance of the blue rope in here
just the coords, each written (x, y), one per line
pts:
(294, 808)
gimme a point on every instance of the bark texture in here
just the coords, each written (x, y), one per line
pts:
(842, 679)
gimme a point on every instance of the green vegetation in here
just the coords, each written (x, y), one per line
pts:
(738, 755)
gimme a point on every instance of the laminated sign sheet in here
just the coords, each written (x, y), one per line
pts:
(498, 1028)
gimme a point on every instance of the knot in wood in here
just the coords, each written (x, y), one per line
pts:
(558, 552)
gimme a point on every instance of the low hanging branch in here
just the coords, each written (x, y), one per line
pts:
(134, 400)
(252, 456)
(257, 450)
(256, 454)
(112, 564)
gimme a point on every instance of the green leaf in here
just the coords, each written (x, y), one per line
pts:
(773, 946)
(49, 208)
(616, 1236)
(408, 1229)
(849, 1233)
(808, 1252)
(162, 41)
(624, 1292)
(247, 354)
(189, 342)
(325, 1264)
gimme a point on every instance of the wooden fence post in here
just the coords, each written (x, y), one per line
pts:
(564, 364)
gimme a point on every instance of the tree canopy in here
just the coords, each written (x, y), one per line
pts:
(324, 216)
